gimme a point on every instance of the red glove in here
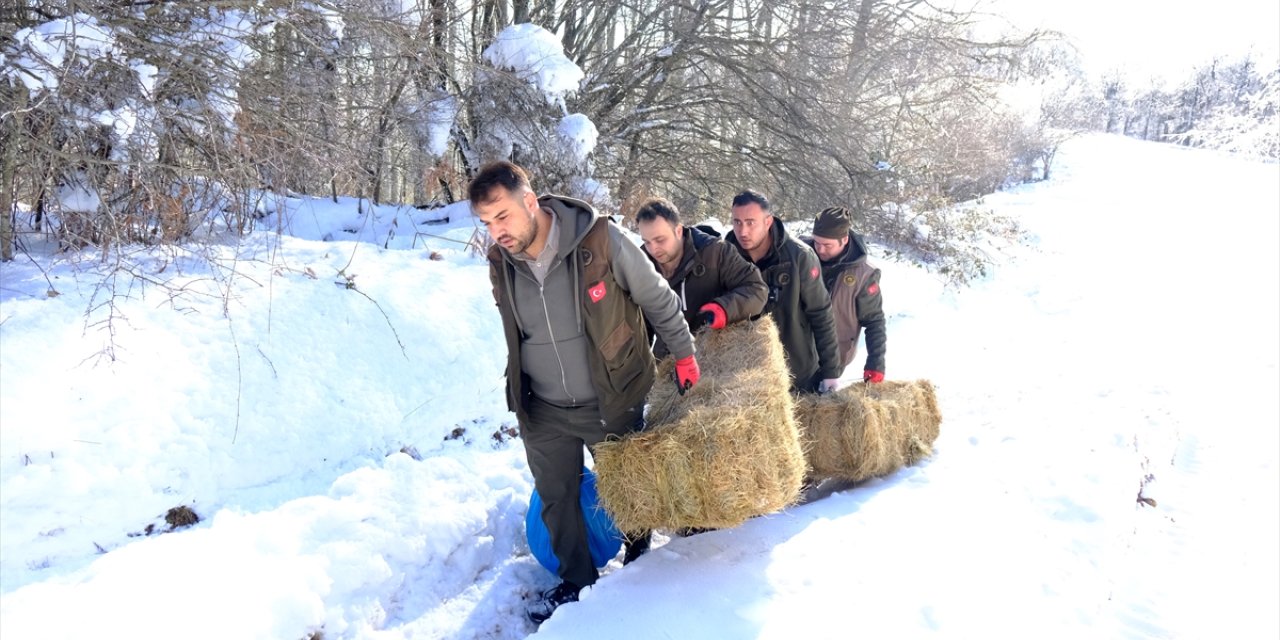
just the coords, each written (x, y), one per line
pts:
(714, 315)
(872, 376)
(687, 374)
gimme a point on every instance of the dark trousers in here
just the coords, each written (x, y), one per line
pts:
(553, 440)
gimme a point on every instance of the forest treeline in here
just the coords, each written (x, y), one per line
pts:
(139, 121)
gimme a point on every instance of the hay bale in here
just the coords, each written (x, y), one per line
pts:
(726, 451)
(868, 430)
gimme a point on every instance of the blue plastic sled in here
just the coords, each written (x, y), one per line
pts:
(602, 536)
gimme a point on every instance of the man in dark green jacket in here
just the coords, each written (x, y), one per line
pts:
(574, 295)
(797, 298)
(715, 284)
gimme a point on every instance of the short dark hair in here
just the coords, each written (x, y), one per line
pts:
(502, 174)
(749, 196)
(655, 208)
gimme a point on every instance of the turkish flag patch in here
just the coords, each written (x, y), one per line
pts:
(813, 273)
(597, 291)
(873, 289)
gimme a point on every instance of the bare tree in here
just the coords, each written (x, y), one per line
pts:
(877, 104)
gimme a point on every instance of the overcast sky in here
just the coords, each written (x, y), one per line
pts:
(1153, 38)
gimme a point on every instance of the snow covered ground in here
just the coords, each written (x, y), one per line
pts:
(329, 400)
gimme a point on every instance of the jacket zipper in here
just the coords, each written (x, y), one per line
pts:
(554, 346)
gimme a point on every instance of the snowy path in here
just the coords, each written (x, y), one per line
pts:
(1143, 329)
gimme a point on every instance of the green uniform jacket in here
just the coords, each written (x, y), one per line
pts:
(712, 270)
(856, 301)
(800, 306)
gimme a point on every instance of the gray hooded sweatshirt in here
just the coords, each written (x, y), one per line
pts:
(554, 345)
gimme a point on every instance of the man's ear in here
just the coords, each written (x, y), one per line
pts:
(530, 200)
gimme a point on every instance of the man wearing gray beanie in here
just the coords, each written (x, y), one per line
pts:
(854, 285)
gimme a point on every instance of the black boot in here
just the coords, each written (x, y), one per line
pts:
(691, 531)
(637, 545)
(551, 599)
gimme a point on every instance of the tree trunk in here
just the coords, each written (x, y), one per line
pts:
(439, 49)
(860, 30)
(326, 126)
(9, 142)
(380, 137)
(570, 39)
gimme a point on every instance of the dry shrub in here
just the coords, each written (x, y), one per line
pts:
(868, 430)
(181, 516)
(724, 452)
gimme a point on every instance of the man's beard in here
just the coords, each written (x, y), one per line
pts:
(669, 261)
(523, 241)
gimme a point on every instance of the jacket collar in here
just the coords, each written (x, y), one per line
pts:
(574, 218)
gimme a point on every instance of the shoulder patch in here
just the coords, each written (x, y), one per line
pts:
(814, 273)
(873, 289)
(849, 279)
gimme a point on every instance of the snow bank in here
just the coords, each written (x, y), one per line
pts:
(290, 363)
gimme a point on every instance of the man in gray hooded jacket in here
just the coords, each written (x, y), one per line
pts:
(575, 296)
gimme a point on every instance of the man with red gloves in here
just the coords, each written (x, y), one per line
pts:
(854, 285)
(715, 284)
(574, 295)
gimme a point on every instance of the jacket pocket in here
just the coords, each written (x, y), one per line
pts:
(619, 340)
(622, 362)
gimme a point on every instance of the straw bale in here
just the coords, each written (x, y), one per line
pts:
(868, 430)
(724, 452)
